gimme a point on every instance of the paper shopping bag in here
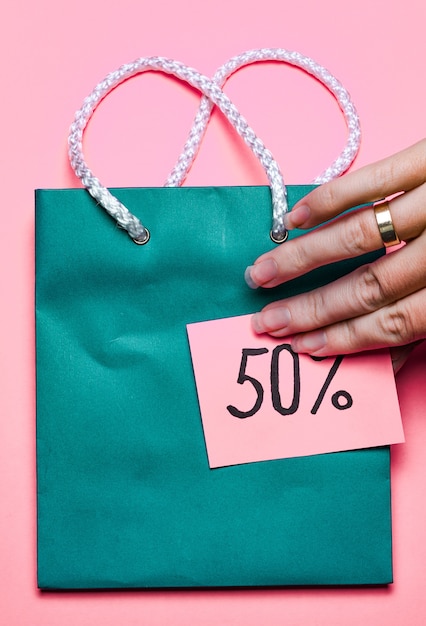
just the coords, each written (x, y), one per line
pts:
(125, 494)
(126, 498)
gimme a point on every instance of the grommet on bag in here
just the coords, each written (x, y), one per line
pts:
(279, 236)
(142, 239)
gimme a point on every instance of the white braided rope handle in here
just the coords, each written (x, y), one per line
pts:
(199, 126)
(212, 95)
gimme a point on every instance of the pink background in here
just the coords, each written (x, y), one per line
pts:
(53, 53)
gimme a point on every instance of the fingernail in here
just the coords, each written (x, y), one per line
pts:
(261, 273)
(309, 343)
(256, 323)
(271, 320)
(249, 280)
(297, 217)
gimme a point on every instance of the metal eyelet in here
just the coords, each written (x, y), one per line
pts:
(279, 237)
(143, 239)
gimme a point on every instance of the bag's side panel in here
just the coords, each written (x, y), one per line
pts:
(125, 494)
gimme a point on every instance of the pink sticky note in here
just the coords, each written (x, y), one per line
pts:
(260, 401)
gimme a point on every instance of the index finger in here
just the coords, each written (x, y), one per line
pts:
(401, 172)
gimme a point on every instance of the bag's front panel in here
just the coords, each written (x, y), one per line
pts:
(125, 494)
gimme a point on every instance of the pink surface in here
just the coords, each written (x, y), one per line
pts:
(236, 387)
(53, 53)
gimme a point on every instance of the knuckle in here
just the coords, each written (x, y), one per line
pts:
(382, 175)
(369, 291)
(300, 254)
(356, 235)
(327, 195)
(397, 324)
(347, 336)
(317, 307)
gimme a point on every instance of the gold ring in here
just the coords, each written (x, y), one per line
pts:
(385, 224)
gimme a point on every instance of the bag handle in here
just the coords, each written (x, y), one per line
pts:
(199, 126)
(212, 95)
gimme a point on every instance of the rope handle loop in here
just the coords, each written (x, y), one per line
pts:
(212, 94)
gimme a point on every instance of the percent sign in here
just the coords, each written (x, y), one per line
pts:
(336, 396)
(275, 384)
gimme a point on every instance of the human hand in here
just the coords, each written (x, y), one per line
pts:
(382, 304)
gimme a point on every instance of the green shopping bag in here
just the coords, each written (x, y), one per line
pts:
(126, 498)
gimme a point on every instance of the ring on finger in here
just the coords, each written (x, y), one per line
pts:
(385, 224)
